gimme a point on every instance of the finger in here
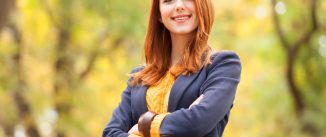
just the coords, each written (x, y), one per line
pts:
(133, 129)
(197, 100)
(200, 97)
(137, 133)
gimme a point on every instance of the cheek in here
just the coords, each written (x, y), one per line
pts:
(165, 16)
(191, 6)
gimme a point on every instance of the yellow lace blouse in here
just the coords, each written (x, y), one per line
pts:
(157, 98)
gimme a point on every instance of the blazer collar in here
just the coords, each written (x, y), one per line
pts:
(179, 87)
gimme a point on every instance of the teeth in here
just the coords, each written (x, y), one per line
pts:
(182, 18)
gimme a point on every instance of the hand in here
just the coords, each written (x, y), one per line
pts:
(134, 130)
(197, 100)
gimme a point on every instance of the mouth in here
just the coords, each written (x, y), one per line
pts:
(181, 17)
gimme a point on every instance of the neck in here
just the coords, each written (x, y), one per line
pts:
(179, 43)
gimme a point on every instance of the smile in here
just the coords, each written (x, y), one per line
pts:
(181, 18)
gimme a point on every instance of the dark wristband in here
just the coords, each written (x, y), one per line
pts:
(144, 123)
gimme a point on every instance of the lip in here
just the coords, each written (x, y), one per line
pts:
(182, 17)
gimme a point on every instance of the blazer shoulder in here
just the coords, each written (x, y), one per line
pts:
(137, 69)
(134, 70)
(222, 57)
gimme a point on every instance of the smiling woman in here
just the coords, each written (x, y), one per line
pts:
(184, 89)
(179, 17)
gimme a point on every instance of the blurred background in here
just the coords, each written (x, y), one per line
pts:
(64, 64)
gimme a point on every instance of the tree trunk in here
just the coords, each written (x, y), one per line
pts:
(24, 111)
(5, 7)
(293, 88)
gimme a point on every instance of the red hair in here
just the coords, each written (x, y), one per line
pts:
(158, 46)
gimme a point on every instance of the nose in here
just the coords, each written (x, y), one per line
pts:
(179, 5)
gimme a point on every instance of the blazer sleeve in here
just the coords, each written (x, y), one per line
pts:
(219, 92)
(121, 120)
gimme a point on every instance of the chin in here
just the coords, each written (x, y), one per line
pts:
(182, 32)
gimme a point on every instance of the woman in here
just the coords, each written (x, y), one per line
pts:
(184, 90)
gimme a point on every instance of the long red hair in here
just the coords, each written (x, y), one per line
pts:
(158, 46)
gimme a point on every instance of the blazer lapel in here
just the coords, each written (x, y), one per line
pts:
(139, 104)
(179, 87)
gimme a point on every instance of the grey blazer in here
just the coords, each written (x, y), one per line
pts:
(217, 81)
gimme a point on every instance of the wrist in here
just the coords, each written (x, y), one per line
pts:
(144, 123)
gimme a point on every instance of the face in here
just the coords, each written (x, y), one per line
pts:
(179, 16)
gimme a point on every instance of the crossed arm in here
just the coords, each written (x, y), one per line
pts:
(134, 132)
(198, 120)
